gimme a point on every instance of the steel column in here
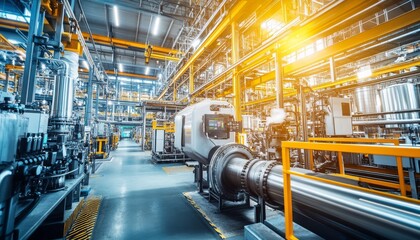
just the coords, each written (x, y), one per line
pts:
(88, 110)
(97, 101)
(191, 83)
(143, 132)
(28, 87)
(6, 85)
(279, 79)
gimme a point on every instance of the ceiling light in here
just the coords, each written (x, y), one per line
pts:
(195, 43)
(120, 67)
(156, 26)
(116, 17)
(147, 70)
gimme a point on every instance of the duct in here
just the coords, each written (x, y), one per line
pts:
(348, 213)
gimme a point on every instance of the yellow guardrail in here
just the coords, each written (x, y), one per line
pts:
(401, 185)
(396, 151)
(167, 126)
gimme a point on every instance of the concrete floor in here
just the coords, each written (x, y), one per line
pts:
(141, 201)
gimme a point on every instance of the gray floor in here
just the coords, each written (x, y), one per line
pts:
(141, 201)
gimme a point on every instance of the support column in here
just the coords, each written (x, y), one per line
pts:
(332, 69)
(279, 79)
(28, 87)
(88, 109)
(191, 83)
(97, 101)
(235, 76)
(6, 84)
(174, 98)
(143, 132)
(58, 30)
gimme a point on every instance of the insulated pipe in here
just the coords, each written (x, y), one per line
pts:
(327, 210)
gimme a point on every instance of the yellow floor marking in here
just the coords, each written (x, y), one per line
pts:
(85, 221)
(195, 205)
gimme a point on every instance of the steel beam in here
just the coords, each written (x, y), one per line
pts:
(28, 86)
(403, 21)
(128, 44)
(234, 13)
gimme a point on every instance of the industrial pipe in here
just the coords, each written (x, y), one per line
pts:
(327, 210)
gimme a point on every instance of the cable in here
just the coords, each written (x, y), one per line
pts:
(207, 135)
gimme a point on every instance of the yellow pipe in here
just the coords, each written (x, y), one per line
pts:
(383, 29)
(128, 44)
(191, 80)
(135, 75)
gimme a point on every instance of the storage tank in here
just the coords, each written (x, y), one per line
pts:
(189, 132)
(400, 97)
(367, 100)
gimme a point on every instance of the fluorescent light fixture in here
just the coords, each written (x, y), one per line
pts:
(85, 64)
(160, 75)
(195, 43)
(364, 72)
(120, 67)
(156, 26)
(147, 70)
(109, 102)
(42, 66)
(116, 17)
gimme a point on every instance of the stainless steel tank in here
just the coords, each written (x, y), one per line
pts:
(400, 97)
(367, 100)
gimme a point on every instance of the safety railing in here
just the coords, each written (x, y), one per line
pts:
(401, 183)
(396, 151)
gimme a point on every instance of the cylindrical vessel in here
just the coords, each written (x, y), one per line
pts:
(400, 97)
(367, 100)
(64, 87)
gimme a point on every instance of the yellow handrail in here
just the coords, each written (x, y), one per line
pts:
(403, 188)
(397, 151)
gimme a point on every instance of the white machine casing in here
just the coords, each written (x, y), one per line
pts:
(338, 120)
(196, 144)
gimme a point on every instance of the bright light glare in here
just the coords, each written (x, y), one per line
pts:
(271, 25)
(160, 75)
(85, 64)
(156, 26)
(364, 72)
(120, 67)
(195, 43)
(109, 102)
(147, 70)
(116, 17)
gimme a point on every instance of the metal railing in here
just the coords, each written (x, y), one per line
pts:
(396, 151)
(401, 183)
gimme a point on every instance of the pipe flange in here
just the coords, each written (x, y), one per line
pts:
(219, 161)
(267, 171)
(244, 174)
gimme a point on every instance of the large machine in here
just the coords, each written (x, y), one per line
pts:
(329, 211)
(41, 155)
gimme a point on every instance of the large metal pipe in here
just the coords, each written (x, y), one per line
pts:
(328, 210)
